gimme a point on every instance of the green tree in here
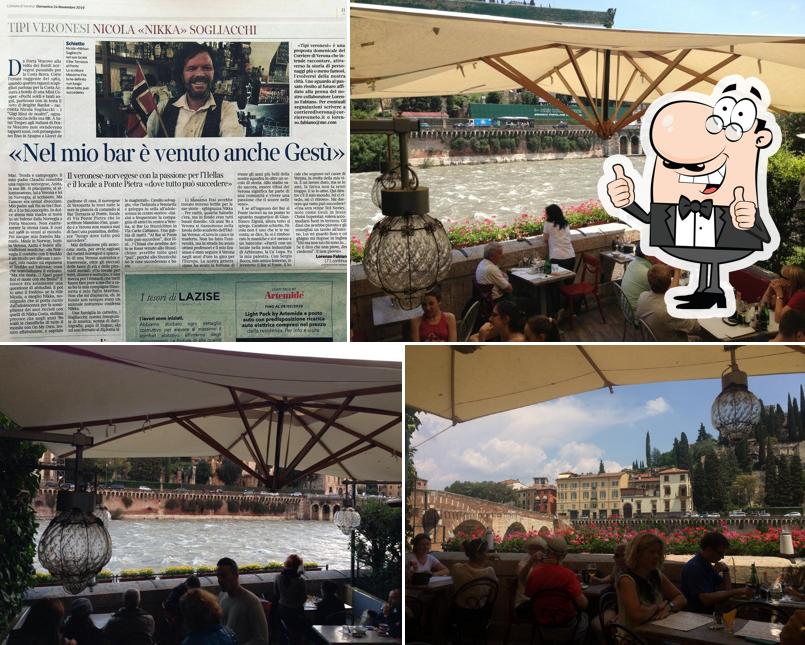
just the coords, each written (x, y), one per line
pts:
(743, 490)
(494, 97)
(742, 455)
(229, 472)
(770, 478)
(714, 495)
(785, 172)
(703, 434)
(683, 459)
(18, 460)
(378, 544)
(145, 469)
(203, 472)
(648, 450)
(794, 427)
(698, 487)
(492, 491)
(796, 477)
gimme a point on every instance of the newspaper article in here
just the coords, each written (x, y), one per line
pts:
(174, 171)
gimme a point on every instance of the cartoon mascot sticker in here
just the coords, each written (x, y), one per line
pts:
(704, 185)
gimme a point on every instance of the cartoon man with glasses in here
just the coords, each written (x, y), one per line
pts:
(705, 183)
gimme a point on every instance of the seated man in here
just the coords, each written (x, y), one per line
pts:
(792, 327)
(635, 278)
(488, 271)
(242, 611)
(130, 625)
(329, 604)
(652, 309)
(536, 547)
(706, 579)
(554, 611)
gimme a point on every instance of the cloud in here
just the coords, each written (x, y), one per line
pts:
(656, 406)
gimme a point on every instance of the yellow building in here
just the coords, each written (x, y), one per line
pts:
(595, 496)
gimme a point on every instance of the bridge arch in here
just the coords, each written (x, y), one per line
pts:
(514, 527)
(623, 144)
(325, 512)
(469, 527)
(315, 512)
(635, 145)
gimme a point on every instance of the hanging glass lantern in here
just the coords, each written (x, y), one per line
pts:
(347, 520)
(408, 252)
(76, 545)
(736, 410)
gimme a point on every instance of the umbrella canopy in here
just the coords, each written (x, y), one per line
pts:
(463, 53)
(289, 416)
(492, 379)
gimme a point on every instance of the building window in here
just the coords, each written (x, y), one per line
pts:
(667, 506)
(603, 494)
(667, 491)
(573, 496)
(666, 478)
(683, 491)
(614, 494)
(585, 495)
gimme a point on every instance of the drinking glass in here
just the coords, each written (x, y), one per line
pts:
(729, 621)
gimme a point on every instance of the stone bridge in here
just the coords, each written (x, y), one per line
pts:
(462, 513)
(134, 501)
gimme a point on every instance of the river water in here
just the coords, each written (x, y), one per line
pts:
(501, 191)
(173, 542)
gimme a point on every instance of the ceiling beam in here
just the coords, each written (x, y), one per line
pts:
(307, 428)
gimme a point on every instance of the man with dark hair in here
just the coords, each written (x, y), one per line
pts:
(706, 579)
(652, 308)
(792, 327)
(197, 113)
(242, 610)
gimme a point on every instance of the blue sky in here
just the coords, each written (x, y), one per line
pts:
(576, 431)
(772, 17)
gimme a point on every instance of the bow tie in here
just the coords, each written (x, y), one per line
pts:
(686, 207)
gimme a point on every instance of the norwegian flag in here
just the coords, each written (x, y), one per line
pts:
(142, 104)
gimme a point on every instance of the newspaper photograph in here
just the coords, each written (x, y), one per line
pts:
(174, 171)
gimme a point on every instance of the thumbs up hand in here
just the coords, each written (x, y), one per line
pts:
(742, 211)
(621, 189)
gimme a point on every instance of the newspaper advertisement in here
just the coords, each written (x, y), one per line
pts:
(174, 171)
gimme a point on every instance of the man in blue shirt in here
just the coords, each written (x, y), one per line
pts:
(706, 579)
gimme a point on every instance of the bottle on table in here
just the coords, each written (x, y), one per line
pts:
(754, 581)
(547, 266)
(776, 591)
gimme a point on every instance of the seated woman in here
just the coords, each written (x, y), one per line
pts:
(541, 329)
(435, 325)
(619, 556)
(505, 324)
(787, 292)
(202, 618)
(464, 572)
(422, 561)
(644, 592)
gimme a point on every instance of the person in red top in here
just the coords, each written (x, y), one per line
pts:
(559, 611)
(435, 326)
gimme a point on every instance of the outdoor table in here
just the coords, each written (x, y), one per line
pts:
(435, 599)
(337, 634)
(594, 592)
(540, 280)
(617, 259)
(310, 606)
(717, 328)
(100, 620)
(656, 634)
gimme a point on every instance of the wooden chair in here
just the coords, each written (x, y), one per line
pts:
(646, 330)
(474, 619)
(466, 325)
(615, 634)
(762, 611)
(482, 293)
(629, 314)
(589, 265)
(607, 602)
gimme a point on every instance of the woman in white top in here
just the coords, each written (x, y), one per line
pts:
(422, 561)
(556, 234)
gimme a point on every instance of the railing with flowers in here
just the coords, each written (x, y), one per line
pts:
(682, 540)
(587, 213)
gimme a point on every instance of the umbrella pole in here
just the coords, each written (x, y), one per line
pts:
(352, 542)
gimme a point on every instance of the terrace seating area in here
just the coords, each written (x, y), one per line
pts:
(591, 308)
(105, 599)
